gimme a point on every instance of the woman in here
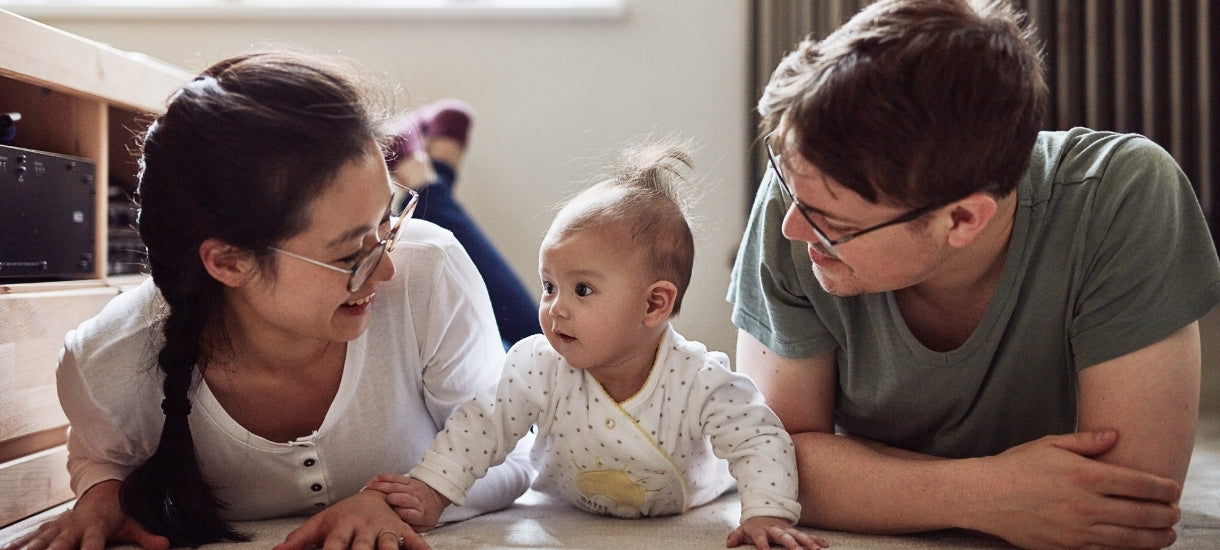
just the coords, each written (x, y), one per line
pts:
(296, 338)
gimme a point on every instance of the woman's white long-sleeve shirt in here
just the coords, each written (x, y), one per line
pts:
(431, 344)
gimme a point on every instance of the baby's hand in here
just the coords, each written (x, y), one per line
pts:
(416, 502)
(764, 531)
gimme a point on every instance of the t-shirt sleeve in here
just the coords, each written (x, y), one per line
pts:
(97, 449)
(460, 345)
(1148, 266)
(110, 391)
(768, 293)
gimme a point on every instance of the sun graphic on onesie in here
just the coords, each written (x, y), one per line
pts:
(613, 491)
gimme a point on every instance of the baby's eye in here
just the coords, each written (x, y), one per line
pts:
(583, 289)
(548, 287)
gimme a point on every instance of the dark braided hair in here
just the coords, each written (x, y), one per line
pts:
(238, 155)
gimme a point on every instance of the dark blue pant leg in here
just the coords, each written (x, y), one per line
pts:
(516, 308)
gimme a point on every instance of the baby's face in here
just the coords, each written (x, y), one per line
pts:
(594, 298)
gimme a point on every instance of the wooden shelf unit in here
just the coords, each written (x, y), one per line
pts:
(85, 99)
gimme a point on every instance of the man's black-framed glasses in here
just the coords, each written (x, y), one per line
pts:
(828, 243)
(402, 206)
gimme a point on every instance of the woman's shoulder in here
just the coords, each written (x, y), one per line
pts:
(427, 251)
(114, 353)
(131, 318)
(426, 237)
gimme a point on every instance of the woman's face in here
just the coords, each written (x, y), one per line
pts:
(298, 300)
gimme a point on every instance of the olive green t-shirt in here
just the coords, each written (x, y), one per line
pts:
(1109, 253)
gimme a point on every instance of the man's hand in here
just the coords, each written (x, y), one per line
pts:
(1050, 493)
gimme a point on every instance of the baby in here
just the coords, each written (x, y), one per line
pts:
(632, 419)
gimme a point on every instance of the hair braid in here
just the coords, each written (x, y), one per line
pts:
(239, 155)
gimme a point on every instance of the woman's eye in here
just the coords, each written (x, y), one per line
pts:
(351, 259)
(583, 289)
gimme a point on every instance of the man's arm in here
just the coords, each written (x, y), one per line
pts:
(1044, 493)
(1151, 398)
(845, 483)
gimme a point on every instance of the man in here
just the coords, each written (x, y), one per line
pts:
(1003, 341)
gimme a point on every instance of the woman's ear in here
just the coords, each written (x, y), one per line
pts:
(661, 297)
(970, 216)
(230, 265)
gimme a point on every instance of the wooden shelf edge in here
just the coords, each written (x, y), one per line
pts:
(49, 57)
(118, 283)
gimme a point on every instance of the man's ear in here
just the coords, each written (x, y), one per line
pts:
(230, 265)
(970, 216)
(661, 297)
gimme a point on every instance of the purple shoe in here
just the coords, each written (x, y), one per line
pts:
(448, 118)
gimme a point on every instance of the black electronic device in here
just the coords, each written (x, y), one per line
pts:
(47, 216)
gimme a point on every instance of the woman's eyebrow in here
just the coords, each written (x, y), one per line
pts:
(354, 233)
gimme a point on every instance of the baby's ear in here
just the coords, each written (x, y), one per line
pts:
(661, 296)
(231, 265)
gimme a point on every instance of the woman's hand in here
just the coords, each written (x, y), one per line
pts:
(763, 531)
(362, 521)
(416, 502)
(94, 520)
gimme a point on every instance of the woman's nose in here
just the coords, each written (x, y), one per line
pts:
(386, 268)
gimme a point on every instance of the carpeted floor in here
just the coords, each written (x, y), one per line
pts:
(537, 521)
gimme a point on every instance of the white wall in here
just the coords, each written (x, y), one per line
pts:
(554, 102)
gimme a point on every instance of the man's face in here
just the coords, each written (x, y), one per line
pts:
(863, 247)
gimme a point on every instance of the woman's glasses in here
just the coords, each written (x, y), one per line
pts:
(402, 206)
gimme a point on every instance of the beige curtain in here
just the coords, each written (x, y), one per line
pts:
(1144, 66)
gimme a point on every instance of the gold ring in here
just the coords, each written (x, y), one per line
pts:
(396, 535)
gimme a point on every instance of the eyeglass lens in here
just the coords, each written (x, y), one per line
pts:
(827, 244)
(402, 207)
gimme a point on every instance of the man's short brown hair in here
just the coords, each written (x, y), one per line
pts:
(914, 102)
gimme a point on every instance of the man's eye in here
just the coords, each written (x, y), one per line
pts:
(841, 229)
(583, 289)
(831, 226)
